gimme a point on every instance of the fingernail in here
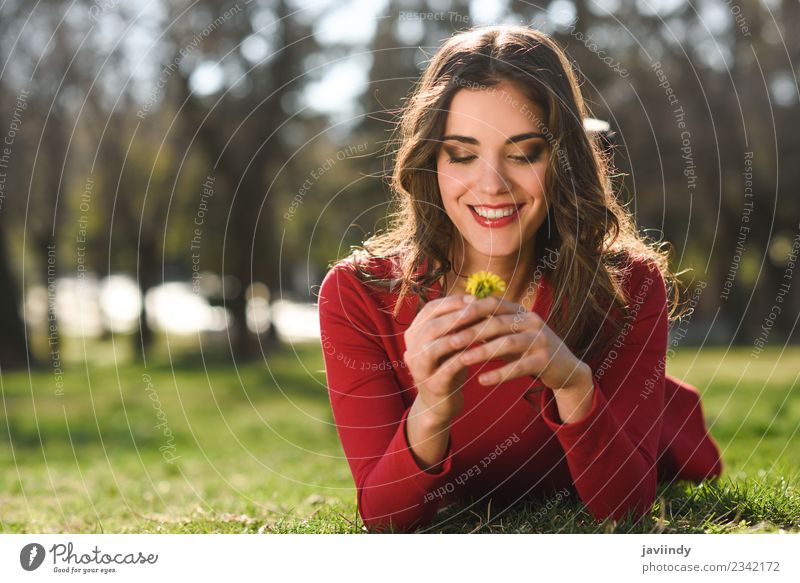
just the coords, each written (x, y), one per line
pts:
(485, 379)
(468, 299)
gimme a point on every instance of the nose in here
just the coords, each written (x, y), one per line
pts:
(492, 178)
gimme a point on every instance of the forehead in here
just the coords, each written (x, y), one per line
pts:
(495, 112)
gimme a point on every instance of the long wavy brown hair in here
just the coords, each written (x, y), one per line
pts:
(593, 235)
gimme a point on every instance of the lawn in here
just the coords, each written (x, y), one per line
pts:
(198, 445)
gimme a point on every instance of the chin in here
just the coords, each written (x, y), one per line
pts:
(496, 248)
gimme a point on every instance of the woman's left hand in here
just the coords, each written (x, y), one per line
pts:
(522, 339)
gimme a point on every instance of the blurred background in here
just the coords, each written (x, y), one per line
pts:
(177, 176)
(192, 168)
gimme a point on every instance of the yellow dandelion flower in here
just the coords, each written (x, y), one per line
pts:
(484, 283)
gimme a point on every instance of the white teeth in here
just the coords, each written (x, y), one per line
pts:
(495, 213)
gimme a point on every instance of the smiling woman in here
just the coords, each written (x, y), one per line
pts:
(564, 373)
(491, 179)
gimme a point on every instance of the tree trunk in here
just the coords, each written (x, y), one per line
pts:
(146, 279)
(13, 352)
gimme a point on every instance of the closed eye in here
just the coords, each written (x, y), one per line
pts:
(528, 158)
(460, 159)
(458, 156)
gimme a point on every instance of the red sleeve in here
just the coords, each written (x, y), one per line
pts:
(612, 451)
(369, 411)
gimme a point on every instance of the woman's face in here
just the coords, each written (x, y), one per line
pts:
(491, 167)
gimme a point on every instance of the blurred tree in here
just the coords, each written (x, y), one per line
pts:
(13, 353)
(242, 126)
(39, 76)
(145, 104)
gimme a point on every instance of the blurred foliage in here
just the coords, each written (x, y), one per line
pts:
(148, 103)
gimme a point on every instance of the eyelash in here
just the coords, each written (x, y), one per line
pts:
(521, 159)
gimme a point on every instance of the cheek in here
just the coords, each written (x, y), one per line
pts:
(451, 182)
(533, 187)
(534, 180)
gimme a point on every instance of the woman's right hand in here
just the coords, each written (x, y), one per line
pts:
(431, 360)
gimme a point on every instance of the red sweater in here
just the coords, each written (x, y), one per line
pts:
(508, 442)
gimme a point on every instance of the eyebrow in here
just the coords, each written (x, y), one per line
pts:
(511, 140)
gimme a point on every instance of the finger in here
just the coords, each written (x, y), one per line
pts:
(526, 320)
(432, 352)
(444, 305)
(494, 326)
(477, 311)
(486, 329)
(449, 369)
(489, 306)
(508, 345)
(531, 364)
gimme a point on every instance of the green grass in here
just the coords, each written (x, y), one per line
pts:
(258, 451)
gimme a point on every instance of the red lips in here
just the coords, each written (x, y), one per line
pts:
(495, 223)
